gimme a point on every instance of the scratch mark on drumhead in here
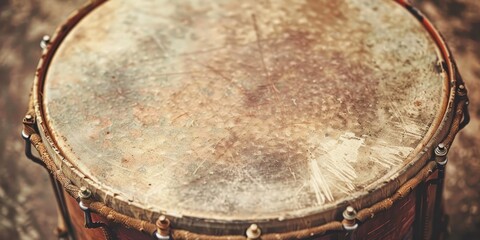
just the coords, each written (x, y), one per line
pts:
(408, 125)
(331, 165)
(389, 156)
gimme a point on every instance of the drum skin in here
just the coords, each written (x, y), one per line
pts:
(220, 115)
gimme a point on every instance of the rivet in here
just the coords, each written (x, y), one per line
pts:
(349, 213)
(162, 221)
(45, 41)
(163, 227)
(28, 119)
(461, 90)
(253, 232)
(84, 193)
(441, 150)
(349, 221)
(441, 154)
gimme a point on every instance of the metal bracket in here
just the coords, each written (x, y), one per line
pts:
(28, 150)
(163, 228)
(89, 223)
(349, 222)
(441, 159)
(85, 194)
(441, 156)
(29, 122)
(349, 219)
(462, 93)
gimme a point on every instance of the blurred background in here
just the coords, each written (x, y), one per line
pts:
(27, 209)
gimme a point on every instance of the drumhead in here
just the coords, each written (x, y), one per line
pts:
(223, 113)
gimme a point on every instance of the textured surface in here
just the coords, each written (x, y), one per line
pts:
(26, 208)
(242, 110)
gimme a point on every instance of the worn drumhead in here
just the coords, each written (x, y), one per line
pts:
(241, 111)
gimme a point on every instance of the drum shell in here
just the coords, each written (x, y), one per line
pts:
(77, 219)
(390, 224)
(406, 219)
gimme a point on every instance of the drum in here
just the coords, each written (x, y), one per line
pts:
(247, 120)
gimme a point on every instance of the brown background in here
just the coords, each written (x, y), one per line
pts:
(27, 209)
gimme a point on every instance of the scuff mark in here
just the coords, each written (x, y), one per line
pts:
(331, 165)
(389, 156)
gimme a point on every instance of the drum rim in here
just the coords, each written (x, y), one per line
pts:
(315, 216)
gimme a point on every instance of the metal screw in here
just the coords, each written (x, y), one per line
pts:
(163, 228)
(84, 193)
(45, 41)
(253, 232)
(461, 90)
(28, 119)
(441, 154)
(349, 221)
(350, 213)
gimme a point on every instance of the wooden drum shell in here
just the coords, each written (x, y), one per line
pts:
(405, 220)
(412, 210)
